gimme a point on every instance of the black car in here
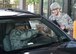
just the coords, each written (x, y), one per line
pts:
(23, 32)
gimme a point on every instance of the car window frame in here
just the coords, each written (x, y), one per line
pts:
(55, 28)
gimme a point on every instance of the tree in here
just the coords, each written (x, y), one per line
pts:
(32, 5)
(32, 1)
(16, 1)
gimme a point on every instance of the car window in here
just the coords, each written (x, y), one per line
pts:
(40, 27)
(47, 31)
(20, 36)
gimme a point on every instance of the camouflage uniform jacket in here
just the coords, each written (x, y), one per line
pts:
(19, 38)
(63, 19)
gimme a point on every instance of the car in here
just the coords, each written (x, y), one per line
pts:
(23, 32)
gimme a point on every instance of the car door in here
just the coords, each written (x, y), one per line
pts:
(57, 38)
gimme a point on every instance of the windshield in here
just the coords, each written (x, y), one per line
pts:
(27, 34)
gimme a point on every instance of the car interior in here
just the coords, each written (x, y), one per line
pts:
(13, 33)
(19, 35)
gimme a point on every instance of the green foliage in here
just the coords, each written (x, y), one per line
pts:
(37, 1)
(16, 1)
(32, 1)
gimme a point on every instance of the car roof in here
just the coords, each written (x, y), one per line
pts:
(15, 14)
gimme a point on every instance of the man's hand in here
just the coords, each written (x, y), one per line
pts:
(62, 27)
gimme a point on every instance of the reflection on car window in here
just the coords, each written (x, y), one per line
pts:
(21, 36)
(40, 27)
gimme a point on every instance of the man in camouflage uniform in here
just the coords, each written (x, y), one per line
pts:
(64, 21)
(20, 36)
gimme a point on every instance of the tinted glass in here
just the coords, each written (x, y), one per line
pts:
(33, 33)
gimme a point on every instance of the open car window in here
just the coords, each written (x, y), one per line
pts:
(47, 31)
(27, 34)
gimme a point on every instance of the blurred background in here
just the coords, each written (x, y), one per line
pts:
(40, 6)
